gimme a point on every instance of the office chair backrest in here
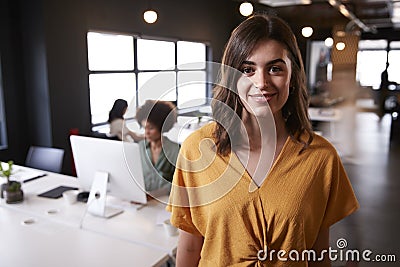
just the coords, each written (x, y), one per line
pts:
(45, 158)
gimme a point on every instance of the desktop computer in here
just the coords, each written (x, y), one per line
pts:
(108, 167)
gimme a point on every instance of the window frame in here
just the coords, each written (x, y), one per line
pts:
(136, 71)
(3, 125)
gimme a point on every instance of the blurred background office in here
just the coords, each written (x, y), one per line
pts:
(54, 71)
(57, 60)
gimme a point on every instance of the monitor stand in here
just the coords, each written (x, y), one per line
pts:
(96, 204)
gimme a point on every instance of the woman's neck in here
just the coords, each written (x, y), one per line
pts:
(258, 130)
(156, 143)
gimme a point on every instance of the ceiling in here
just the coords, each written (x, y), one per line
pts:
(364, 15)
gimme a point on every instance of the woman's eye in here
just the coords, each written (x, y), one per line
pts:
(247, 70)
(275, 69)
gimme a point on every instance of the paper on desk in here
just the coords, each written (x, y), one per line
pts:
(23, 174)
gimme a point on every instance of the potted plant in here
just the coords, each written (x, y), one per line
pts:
(11, 190)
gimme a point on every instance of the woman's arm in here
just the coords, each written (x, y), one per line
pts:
(136, 137)
(322, 243)
(189, 248)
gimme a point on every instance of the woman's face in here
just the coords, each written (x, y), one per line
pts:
(151, 132)
(265, 78)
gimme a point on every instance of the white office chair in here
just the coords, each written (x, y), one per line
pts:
(45, 158)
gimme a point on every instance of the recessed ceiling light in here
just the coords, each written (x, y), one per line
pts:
(307, 31)
(150, 16)
(329, 42)
(340, 46)
(246, 9)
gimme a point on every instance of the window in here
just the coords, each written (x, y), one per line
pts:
(371, 61)
(394, 66)
(137, 69)
(370, 65)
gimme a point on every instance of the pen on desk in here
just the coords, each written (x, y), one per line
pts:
(34, 178)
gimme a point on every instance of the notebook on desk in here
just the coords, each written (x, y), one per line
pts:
(25, 175)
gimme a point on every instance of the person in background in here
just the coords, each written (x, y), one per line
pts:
(158, 153)
(117, 123)
(282, 185)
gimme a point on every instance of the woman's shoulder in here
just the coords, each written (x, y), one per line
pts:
(321, 148)
(204, 132)
(198, 144)
(117, 121)
(321, 142)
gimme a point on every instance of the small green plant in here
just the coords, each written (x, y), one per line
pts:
(11, 190)
(6, 173)
(14, 186)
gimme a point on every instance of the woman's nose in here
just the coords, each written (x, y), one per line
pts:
(260, 80)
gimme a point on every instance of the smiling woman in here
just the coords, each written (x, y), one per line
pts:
(268, 71)
(286, 185)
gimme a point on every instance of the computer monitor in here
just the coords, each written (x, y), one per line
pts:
(119, 162)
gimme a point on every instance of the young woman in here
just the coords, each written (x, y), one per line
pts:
(117, 122)
(258, 180)
(158, 153)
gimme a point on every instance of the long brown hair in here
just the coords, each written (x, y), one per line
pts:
(226, 100)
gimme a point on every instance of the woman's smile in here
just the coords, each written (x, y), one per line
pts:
(262, 97)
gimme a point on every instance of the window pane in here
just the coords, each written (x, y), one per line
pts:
(155, 55)
(372, 44)
(369, 74)
(395, 45)
(157, 85)
(191, 55)
(110, 51)
(191, 88)
(105, 89)
(394, 66)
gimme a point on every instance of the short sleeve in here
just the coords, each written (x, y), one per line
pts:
(341, 200)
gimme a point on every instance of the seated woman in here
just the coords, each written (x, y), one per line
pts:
(117, 124)
(158, 153)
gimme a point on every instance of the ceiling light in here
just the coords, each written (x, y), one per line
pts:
(329, 42)
(340, 46)
(307, 31)
(150, 16)
(345, 12)
(340, 34)
(246, 9)
(332, 2)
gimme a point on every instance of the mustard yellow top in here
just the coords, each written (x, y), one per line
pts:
(302, 193)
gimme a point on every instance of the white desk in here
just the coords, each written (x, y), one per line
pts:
(325, 114)
(330, 115)
(132, 226)
(45, 243)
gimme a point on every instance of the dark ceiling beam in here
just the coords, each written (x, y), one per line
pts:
(348, 14)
